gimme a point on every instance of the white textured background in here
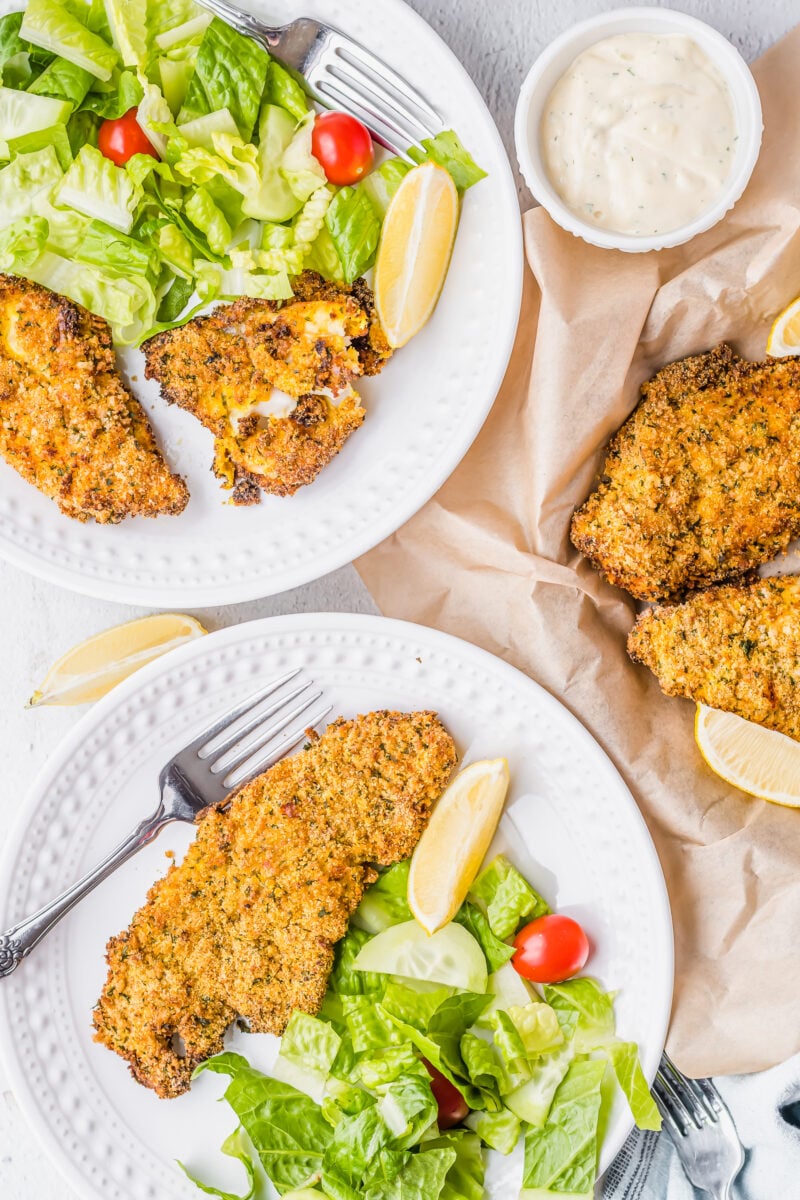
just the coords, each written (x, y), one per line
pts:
(496, 40)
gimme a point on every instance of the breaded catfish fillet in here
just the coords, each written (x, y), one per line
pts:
(68, 424)
(246, 925)
(225, 367)
(702, 482)
(732, 647)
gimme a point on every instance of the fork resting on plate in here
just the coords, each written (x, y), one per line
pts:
(340, 73)
(234, 749)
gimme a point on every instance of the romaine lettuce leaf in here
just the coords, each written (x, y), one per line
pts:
(506, 897)
(275, 200)
(95, 186)
(531, 1101)
(595, 1009)
(174, 301)
(198, 132)
(232, 160)
(27, 184)
(62, 80)
(385, 903)
(464, 1180)
(22, 113)
(624, 1058)
(500, 1130)
(126, 93)
(128, 304)
(127, 20)
(355, 229)
(322, 257)
(422, 1178)
(56, 136)
(446, 150)
(175, 76)
(407, 1107)
(19, 61)
(106, 247)
(230, 72)
(154, 116)
(497, 953)
(49, 24)
(345, 979)
(21, 243)
(285, 91)
(82, 130)
(308, 1049)
(388, 1064)
(204, 214)
(562, 1155)
(382, 183)
(188, 32)
(236, 1147)
(369, 1026)
(287, 1129)
(482, 1065)
(298, 166)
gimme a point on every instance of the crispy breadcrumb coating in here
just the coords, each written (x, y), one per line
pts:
(246, 925)
(734, 647)
(702, 482)
(68, 424)
(225, 367)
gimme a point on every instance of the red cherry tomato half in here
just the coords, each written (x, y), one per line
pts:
(550, 949)
(119, 140)
(343, 147)
(453, 1108)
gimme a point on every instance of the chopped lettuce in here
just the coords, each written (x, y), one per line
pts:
(498, 1130)
(175, 76)
(299, 167)
(624, 1058)
(355, 229)
(506, 897)
(230, 72)
(497, 953)
(22, 113)
(275, 200)
(54, 27)
(382, 183)
(386, 902)
(21, 243)
(531, 1100)
(62, 80)
(27, 183)
(127, 303)
(127, 21)
(107, 247)
(95, 186)
(595, 1026)
(208, 218)
(153, 116)
(110, 104)
(187, 33)
(308, 1049)
(235, 1146)
(464, 1180)
(561, 1156)
(283, 90)
(55, 136)
(199, 131)
(446, 150)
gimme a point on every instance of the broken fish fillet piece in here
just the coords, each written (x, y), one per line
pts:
(225, 368)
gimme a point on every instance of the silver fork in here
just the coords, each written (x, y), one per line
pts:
(699, 1123)
(244, 741)
(340, 73)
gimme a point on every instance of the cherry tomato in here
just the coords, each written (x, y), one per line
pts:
(119, 140)
(343, 146)
(550, 949)
(452, 1105)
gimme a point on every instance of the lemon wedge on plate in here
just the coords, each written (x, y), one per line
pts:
(450, 852)
(748, 756)
(90, 670)
(784, 337)
(416, 244)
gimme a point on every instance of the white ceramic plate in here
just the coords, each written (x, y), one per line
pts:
(571, 826)
(423, 411)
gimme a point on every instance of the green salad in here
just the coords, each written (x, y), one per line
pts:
(349, 1110)
(226, 198)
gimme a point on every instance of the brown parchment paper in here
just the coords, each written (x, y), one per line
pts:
(489, 559)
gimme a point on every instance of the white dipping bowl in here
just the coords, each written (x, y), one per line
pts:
(560, 54)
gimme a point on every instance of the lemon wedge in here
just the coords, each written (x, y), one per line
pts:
(450, 852)
(416, 244)
(784, 337)
(90, 670)
(748, 756)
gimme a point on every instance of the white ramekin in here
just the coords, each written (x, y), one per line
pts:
(553, 62)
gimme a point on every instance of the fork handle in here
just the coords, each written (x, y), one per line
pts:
(16, 943)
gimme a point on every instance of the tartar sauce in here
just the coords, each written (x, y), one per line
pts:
(638, 135)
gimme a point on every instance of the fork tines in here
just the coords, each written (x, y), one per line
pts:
(685, 1103)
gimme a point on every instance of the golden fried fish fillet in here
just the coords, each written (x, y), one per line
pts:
(733, 647)
(225, 367)
(702, 482)
(246, 925)
(68, 424)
